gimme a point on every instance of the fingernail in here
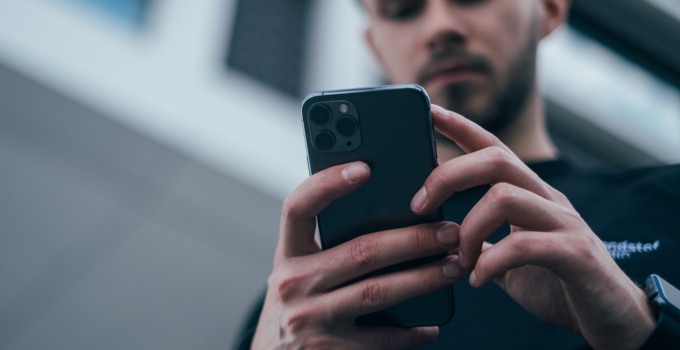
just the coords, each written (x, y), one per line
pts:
(418, 201)
(430, 333)
(447, 234)
(353, 173)
(451, 269)
(473, 278)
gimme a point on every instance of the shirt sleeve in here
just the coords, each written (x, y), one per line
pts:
(244, 338)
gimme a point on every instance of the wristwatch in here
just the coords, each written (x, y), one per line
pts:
(665, 301)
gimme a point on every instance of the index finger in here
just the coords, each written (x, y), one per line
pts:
(309, 199)
(469, 136)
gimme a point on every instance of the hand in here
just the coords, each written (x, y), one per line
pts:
(551, 263)
(309, 303)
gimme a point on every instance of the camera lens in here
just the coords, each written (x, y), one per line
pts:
(346, 126)
(324, 141)
(320, 114)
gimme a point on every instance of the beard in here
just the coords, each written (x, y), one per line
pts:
(496, 106)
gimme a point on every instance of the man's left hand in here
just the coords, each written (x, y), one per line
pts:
(551, 263)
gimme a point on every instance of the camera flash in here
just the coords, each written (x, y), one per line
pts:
(344, 108)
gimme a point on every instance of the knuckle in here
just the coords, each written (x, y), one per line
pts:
(426, 278)
(374, 294)
(292, 208)
(561, 197)
(295, 321)
(418, 238)
(498, 156)
(502, 194)
(362, 251)
(288, 285)
(572, 218)
(554, 194)
(520, 244)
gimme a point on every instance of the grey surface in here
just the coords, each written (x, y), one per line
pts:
(111, 241)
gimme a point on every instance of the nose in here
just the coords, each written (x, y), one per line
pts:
(445, 27)
(444, 40)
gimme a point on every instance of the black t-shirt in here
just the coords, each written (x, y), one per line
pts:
(635, 212)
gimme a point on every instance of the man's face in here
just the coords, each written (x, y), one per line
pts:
(476, 57)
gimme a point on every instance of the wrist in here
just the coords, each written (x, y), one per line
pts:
(647, 322)
(665, 306)
(628, 326)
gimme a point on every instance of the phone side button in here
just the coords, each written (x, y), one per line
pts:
(434, 147)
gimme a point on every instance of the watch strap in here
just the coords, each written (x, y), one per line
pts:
(666, 334)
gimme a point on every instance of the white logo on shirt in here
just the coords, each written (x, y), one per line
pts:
(625, 249)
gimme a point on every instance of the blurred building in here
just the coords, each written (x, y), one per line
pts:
(146, 145)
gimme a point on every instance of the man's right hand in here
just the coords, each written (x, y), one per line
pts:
(309, 303)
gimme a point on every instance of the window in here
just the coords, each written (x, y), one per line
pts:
(131, 12)
(268, 42)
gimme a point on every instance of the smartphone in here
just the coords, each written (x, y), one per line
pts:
(390, 129)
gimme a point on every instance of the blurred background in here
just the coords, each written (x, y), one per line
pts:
(146, 146)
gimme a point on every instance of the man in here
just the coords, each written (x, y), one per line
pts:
(559, 286)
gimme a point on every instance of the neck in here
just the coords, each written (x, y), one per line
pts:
(527, 137)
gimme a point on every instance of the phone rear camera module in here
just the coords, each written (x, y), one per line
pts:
(324, 141)
(320, 114)
(346, 126)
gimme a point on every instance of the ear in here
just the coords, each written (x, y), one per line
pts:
(554, 15)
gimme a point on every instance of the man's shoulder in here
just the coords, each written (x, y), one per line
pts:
(653, 170)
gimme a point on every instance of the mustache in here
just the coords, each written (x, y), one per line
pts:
(453, 56)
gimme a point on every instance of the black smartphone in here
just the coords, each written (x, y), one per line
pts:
(389, 128)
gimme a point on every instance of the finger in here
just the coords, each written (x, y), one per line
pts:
(488, 166)
(380, 292)
(471, 137)
(466, 134)
(311, 197)
(504, 204)
(374, 251)
(516, 250)
(393, 337)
